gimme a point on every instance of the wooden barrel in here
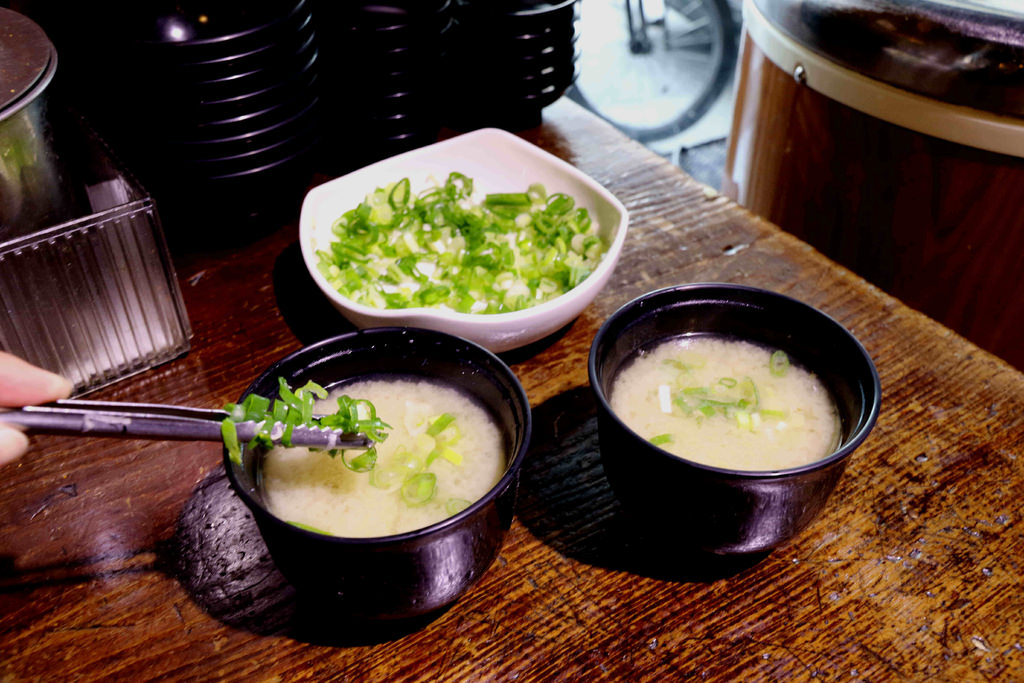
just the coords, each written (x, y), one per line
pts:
(878, 161)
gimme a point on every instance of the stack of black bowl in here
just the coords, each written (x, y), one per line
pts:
(509, 60)
(383, 65)
(213, 104)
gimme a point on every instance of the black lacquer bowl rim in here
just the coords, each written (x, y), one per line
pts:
(269, 24)
(521, 10)
(310, 352)
(717, 293)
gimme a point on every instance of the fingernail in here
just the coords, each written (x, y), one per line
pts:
(13, 445)
(62, 386)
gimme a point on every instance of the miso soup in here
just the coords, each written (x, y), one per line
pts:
(443, 452)
(727, 403)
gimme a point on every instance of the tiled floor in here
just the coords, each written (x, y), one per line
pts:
(652, 88)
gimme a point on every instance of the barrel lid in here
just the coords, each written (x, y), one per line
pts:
(27, 61)
(965, 52)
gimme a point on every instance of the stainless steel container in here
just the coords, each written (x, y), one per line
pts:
(32, 188)
(94, 298)
(890, 135)
(87, 286)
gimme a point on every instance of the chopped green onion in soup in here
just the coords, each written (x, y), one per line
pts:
(445, 248)
(726, 403)
(434, 463)
(294, 409)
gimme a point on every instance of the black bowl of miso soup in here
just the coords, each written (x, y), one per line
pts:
(410, 532)
(727, 413)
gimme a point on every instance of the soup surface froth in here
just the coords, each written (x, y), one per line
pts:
(466, 457)
(726, 403)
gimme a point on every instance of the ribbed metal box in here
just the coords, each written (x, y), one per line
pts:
(94, 298)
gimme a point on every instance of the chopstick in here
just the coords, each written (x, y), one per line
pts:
(160, 422)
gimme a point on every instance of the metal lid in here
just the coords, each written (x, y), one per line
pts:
(27, 61)
(966, 52)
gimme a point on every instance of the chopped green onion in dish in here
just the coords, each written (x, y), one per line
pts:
(444, 248)
(294, 409)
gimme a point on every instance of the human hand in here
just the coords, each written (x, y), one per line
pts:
(23, 384)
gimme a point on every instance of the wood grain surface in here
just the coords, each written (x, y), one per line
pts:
(132, 560)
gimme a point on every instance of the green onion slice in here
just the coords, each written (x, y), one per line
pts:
(749, 392)
(451, 455)
(419, 488)
(399, 195)
(309, 527)
(778, 364)
(230, 435)
(455, 505)
(438, 425)
(508, 199)
(364, 462)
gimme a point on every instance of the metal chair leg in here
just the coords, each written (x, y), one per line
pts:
(639, 41)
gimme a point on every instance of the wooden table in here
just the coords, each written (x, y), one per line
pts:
(132, 560)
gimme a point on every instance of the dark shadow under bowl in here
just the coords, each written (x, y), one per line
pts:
(715, 509)
(414, 573)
